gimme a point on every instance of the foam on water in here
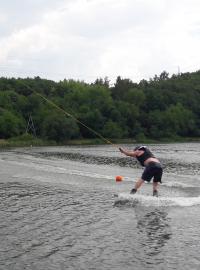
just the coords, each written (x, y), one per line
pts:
(128, 199)
(177, 185)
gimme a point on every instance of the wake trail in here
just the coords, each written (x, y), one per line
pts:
(145, 200)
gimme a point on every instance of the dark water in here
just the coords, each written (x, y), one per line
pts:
(58, 210)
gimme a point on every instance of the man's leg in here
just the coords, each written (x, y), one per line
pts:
(137, 185)
(157, 178)
(155, 188)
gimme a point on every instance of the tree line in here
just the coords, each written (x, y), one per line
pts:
(162, 107)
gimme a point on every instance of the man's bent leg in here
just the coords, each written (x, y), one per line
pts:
(137, 185)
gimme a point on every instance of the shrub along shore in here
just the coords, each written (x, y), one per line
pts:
(28, 140)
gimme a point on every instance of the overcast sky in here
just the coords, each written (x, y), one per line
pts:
(89, 39)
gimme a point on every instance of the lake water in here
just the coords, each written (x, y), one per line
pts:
(58, 210)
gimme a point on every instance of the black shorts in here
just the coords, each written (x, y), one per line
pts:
(153, 169)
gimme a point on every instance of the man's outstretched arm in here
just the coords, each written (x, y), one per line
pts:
(128, 153)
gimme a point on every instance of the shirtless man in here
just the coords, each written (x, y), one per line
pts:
(152, 168)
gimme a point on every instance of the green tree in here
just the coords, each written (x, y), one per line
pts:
(179, 120)
(135, 96)
(92, 119)
(58, 127)
(156, 126)
(121, 87)
(10, 124)
(113, 130)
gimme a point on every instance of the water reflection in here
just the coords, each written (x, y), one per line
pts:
(154, 231)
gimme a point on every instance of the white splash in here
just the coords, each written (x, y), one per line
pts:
(145, 200)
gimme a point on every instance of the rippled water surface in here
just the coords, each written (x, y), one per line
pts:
(58, 210)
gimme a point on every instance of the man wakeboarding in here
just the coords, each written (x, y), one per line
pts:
(153, 168)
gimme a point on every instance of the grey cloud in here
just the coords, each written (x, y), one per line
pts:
(20, 14)
(104, 20)
(86, 39)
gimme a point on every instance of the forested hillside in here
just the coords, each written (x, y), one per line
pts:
(162, 107)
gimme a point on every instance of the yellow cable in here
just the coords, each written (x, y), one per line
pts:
(73, 117)
(70, 115)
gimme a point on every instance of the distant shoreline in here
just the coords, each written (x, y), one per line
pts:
(13, 142)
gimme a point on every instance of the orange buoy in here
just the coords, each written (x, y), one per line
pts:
(118, 178)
